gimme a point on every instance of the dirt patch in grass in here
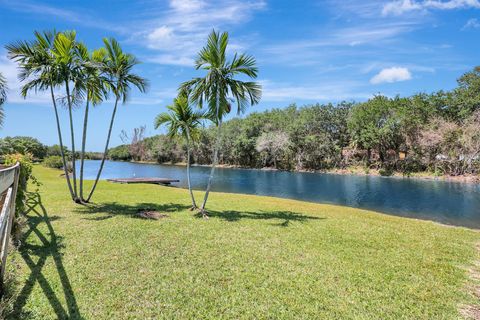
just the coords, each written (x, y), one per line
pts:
(151, 214)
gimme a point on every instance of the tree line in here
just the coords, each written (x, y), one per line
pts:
(437, 132)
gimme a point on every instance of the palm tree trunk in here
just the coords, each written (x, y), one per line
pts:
(72, 136)
(82, 154)
(215, 154)
(105, 151)
(60, 141)
(194, 204)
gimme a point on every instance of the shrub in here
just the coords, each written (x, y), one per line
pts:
(386, 172)
(53, 162)
(23, 145)
(26, 164)
(120, 152)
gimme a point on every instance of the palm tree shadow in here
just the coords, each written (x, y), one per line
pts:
(35, 256)
(111, 209)
(284, 216)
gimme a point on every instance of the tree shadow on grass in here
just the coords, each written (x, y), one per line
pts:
(111, 209)
(284, 216)
(35, 257)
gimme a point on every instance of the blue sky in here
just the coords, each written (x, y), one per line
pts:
(307, 51)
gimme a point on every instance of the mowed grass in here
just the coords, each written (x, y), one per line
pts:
(255, 258)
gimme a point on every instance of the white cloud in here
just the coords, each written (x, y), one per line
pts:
(400, 7)
(394, 74)
(9, 70)
(183, 29)
(162, 33)
(187, 5)
(471, 24)
(171, 59)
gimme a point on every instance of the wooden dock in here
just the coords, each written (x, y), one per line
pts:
(163, 181)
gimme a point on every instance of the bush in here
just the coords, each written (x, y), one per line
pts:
(26, 164)
(386, 172)
(120, 153)
(23, 145)
(53, 162)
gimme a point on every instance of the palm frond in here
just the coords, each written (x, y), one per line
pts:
(220, 79)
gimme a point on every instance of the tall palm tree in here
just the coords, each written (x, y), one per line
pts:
(95, 86)
(219, 86)
(39, 72)
(183, 122)
(118, 69)
(64, 52)
(3, 97)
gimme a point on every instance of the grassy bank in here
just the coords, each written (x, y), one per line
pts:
(256, 257)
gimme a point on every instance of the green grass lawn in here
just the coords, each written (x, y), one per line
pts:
(256, 257)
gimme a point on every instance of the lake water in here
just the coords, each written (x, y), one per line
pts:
(447, 202)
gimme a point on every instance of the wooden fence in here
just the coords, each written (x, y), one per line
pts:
(8, 193)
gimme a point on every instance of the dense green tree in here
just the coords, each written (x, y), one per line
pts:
(23, 145)
(375, 125)
(55, 150)
(119, 153)
(465, 99)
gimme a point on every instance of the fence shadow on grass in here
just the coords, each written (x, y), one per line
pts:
(111, 209)
(284, 216)
(35, 257)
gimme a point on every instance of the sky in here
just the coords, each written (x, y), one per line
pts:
(306, 51)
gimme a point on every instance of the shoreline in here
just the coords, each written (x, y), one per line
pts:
(354, 171)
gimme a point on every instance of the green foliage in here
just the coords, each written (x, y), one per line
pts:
(54, 162)
(120, 153)
(386, 172)
(23, 145)
(220, 85)
(181, 120)
(55, 150)
(376, 124)
(26, 175)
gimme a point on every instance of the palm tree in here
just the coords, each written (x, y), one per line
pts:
(219, 86)
(3, 97)
(39, 71)
(118, 69)
(95, 85)
(64, 52)
(183, 122)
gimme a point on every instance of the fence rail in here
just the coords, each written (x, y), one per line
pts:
(8, 192)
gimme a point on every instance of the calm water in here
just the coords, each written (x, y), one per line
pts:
(447, 202)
